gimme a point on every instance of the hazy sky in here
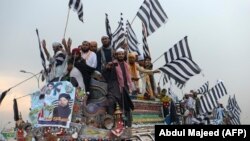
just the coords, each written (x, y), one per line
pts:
(218, 34)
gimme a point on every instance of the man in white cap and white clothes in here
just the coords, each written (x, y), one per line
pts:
(57, 62)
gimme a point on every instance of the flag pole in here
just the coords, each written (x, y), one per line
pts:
(158, 58)
(153, 63)
(66, 23)
(41, 53)
(133, 19)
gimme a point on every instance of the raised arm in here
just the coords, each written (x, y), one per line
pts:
(67, 45)
(140, 69)
(45, 49)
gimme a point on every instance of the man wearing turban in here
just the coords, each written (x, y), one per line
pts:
(62, 111)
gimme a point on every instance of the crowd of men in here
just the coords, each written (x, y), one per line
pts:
(188, 110)
(125, 72)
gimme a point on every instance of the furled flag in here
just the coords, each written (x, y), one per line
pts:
(15, 108)
(180, 49)
(234, 111)
(165, 79)
(152, 15)
(236, 103)
(203, 89)
(108, 28)
(2, 96)
(78, 7)
(118, 37)
(132, 39)
(41, 54)
(146, 52)
(181, 70)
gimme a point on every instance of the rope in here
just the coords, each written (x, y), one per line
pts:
(24, 81)
(24, 96)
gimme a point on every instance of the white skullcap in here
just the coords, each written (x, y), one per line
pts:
(140, 58)
(119, 50)
(56, 44)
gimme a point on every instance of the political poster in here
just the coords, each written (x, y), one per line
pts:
(53, 105)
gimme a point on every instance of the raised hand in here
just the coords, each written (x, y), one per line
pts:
(69, 42)
(64, 42)
(157, 71)
(43, 43)
(45, 49)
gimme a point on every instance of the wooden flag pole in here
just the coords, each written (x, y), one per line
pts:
(66, 23)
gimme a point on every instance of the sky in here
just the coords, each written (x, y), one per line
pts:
(218, 35)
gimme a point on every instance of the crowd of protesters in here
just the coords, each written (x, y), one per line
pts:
(125, 73)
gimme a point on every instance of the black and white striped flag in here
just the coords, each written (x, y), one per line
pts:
(235, 103)
(146, 52)
(152, 15)
(41, 54)
(108, 28)
(132, 39)
(235, 121)
(233, 107)
(219, 90)
(203, 89)
(180, 49)
(165, 79)
(234, 111)
(209, 100)
(118, 37)
(181, 70)
(78, 7)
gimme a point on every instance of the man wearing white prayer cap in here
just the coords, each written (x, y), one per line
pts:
(57, 61)
(56, 44)
(120, 85)
(140, 58)
(120, 50)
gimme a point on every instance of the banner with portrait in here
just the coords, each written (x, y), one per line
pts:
(53, 105)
